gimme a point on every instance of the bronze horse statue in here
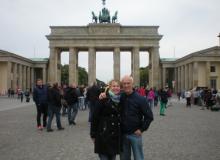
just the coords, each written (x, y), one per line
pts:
(94, 17)
(114, 18)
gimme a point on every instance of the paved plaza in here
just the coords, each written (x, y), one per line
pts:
(183, 134)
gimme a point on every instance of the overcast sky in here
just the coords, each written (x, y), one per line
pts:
(186, 25)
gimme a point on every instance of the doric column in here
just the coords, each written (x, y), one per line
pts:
(9, 66)
(195, 74)
(179, 79)
(92, 66)
(182, 78)
(155, 68)
(23, 78)
(176, 79)
(116, 57)
(24, 75)
(186, 77)
(20, 76)
(208, 74)
(59, 66)
(150, 70)
(135, 60)
(28, 78)
(53, 65)
(32, 79)
(73, 66)
(190, 76)
(44, 75)
(164, 77)
(14, 76)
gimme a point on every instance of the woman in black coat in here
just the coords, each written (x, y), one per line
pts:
(105, 124)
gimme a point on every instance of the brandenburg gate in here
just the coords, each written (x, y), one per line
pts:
(104, 36)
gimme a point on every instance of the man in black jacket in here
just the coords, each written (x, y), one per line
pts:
(54, 106)
(40, 99)
(136, 118)
(71, 98)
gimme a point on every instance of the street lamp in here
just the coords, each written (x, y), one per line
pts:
(219, 38)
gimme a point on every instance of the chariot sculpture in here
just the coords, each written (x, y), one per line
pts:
(104, 16)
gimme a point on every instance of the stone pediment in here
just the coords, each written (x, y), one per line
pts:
(208, 52)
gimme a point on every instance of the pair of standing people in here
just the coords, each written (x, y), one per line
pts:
(48, 102)
(118, 122)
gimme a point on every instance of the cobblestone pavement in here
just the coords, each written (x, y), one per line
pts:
(12, 103)
(183, 134)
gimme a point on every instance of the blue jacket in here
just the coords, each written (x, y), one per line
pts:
(136, 113)
(40, 95)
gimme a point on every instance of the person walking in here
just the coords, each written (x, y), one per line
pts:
(21, 96)
(105, 124)
(54, 107)
(163, 101)
(40, 99)
(188, 95)
(136, 118)
(27, 95)
(150, 98)
(71, 98)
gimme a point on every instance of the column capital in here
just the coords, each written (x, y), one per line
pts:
(117, 49)
(135, 49)
(153, 48)
(92, 49)
(73, 49)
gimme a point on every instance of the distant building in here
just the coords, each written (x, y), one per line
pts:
(198, 69)
(20, 72)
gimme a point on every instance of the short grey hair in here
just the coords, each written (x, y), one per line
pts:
(127, 77)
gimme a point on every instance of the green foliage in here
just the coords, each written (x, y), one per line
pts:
(82, 76)
(65, 74)
(144, 76)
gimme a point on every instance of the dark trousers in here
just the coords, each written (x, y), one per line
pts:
(195, 101)
(91, 109)
(42, 109)
(188, 101)
(72, 112)
(51, 111)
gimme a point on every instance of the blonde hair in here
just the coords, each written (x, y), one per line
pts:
(110, 84)
(117, 81)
